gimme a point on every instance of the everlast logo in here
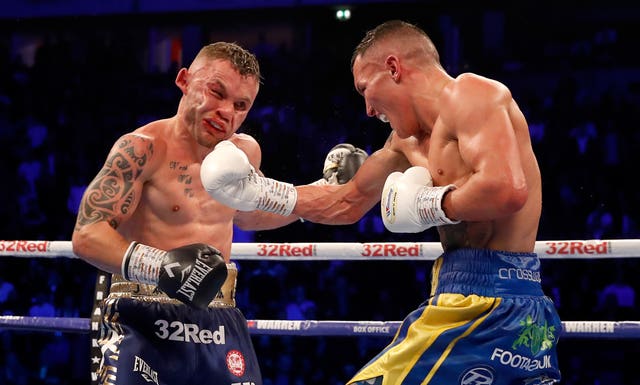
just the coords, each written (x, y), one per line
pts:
(150, 375)
(190, 286)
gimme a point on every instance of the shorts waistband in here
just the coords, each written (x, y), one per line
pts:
(121, 288)
(488, 273)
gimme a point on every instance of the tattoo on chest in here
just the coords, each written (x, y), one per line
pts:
(175, 165)
(111, 192)
(183, 177)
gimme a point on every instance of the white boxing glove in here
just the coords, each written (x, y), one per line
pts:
(410, 203)
(229, 178)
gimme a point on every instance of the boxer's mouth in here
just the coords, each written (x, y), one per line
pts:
(383, 118)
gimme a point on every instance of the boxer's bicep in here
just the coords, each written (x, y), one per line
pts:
(115, 192)
(111, 198)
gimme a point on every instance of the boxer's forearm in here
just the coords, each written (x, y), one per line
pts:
(260, 220)
(333, 205)
(100, 245)
(326, 204)
(229, 178)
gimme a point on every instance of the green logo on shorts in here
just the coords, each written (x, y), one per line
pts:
(536, 337)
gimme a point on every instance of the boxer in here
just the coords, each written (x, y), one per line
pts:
(458, 160)
(170, 316)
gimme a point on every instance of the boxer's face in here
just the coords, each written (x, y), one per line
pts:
(217, 100)
(373, 80)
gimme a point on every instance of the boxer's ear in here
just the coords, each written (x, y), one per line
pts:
(182, 79)
(393, 66)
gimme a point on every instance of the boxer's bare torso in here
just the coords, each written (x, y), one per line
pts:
(483, 148)
(173, 207)
(448, 163)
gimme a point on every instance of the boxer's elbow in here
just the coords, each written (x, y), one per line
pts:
(498, 198)
(81, 241)
(85, 240)
(513, 198)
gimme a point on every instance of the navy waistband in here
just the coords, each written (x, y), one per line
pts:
(487, 273)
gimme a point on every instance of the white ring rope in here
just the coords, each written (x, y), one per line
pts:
(575, 249)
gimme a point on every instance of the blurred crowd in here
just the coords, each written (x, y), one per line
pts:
(61, 110)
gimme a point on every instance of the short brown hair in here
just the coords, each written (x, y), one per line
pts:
(241, 59)
(393, 28)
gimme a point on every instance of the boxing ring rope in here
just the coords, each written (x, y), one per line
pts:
(571, 249)
(308, 328)
(575, 249)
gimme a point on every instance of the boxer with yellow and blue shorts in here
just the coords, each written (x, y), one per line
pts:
(487, 323)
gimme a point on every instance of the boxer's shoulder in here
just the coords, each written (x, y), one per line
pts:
(249, 145)
(244, 141)
(139, 150)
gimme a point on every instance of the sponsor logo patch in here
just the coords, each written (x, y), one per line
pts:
(236, 363)
(535, 337)
(478, 375)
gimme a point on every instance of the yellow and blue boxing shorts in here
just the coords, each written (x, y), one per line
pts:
(487, 322)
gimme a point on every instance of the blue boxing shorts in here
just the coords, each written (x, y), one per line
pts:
(487, 323)
(147, 338)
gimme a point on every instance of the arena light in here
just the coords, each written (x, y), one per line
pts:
(343, 13)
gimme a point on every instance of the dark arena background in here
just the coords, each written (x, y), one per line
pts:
(75, 75)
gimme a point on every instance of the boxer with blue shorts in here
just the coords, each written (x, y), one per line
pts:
(487, 322)
(147, 218)
(149, 338)
(459, 159)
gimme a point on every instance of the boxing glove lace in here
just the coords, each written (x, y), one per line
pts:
(229, 178)
(192, 274)
(410, 203)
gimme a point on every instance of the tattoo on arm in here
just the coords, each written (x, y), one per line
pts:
(111, 193)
